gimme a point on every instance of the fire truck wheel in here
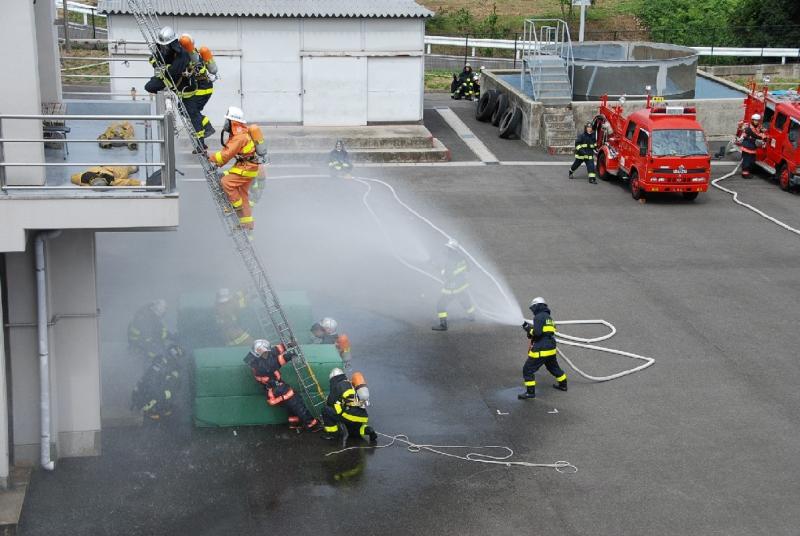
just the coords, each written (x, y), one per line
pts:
(689, 196)
(486, 106)
(636, 188)
(784, 177)
(602, 168)
(509, 124)
(502, 104)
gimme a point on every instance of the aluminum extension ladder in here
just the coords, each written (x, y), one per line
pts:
(269, 309)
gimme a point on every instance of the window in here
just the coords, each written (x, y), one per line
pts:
(780, 121)
(679, 143)
(794, 132)
(629, 131)
(642, 140)
(769, 113)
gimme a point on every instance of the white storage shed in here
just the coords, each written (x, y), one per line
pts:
(310, 62)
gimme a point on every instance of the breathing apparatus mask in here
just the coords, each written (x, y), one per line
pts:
(226, 127)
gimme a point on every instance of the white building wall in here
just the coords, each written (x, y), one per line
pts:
(4, 446)
(262, 68)
(47, 40)
(19, 92)
(74, 356)
(272, 70)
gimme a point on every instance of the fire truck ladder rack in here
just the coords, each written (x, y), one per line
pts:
(548, 64)
(269, 312)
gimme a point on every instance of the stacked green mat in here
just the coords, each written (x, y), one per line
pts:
(225, 393)
(198, 328)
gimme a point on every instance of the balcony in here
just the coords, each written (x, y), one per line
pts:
(40, 155)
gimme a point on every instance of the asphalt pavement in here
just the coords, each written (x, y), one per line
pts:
(704, 442)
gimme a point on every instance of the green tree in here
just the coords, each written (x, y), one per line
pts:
(767, 23)
(689, 22)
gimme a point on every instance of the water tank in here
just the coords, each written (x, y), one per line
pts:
(617, 68)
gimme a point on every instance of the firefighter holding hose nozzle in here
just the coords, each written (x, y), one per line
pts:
(752, 138)
(542, 349)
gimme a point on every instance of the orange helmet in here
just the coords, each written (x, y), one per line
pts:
(186, 42)
(358, 380)
(206, 54)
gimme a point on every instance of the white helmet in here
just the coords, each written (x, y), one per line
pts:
(223, 295)
(166, 35)
(260, 346)
(452, 243)
(537, 300)
(235, 114)
(336, 371)
(159, 307)
(756, 117)
(329, 325)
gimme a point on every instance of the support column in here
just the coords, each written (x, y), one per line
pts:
(47, 48)
(19, 92)
(4, 447)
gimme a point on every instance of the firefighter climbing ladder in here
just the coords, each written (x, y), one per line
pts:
(270, 312)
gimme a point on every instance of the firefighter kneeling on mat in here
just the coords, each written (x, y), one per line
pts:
(455, 285)
(346, 408)
(585, 145)
(265, 361)
(245, 145)
(542, 349)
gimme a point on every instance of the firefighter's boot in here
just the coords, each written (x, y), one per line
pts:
(313, 426)
(570, 174)
(373, 436)
(561, 386)
(530, 392)
(329, 436)
(442, 325)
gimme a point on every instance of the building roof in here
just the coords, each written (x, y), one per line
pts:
(277, 8)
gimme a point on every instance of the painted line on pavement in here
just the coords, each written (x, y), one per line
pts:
(466, 135)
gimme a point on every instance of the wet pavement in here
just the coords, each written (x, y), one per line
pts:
(704, 442)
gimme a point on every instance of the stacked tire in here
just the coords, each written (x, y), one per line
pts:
(495, 107)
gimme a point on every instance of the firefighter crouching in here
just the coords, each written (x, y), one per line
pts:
(345, 410)
(265, 361)
(542, 349)
(236, 180)
(752, 138)
(155, 393)
(585, 145)
(339, 160)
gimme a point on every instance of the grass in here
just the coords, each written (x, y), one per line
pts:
(101, 69)
(774, 82)
(438, 80)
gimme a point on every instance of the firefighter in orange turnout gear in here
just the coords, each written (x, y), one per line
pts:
(237, 179)
(265, 361)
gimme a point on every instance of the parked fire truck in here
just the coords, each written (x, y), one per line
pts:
(780, 112)
(659, 149)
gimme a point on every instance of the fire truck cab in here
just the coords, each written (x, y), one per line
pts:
(780, 112)
(659, 149)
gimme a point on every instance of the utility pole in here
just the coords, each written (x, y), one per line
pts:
(64, 15)
(582, 4)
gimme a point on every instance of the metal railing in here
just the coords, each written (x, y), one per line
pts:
(165, 139)
(545, 37)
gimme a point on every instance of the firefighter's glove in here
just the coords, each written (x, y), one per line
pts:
(526, 326)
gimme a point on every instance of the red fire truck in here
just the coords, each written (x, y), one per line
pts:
(780, 112)
(659, 149)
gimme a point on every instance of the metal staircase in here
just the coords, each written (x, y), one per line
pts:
(269, 309)
(547, 61)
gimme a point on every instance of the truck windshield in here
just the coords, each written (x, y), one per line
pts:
(679, 143)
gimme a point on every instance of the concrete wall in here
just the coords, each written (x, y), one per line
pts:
(47, 45)
(19, 93)
(74, 355)
(532, 130)
(717, 116)
(790, 70)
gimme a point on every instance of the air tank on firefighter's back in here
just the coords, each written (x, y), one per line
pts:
(617, 68)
